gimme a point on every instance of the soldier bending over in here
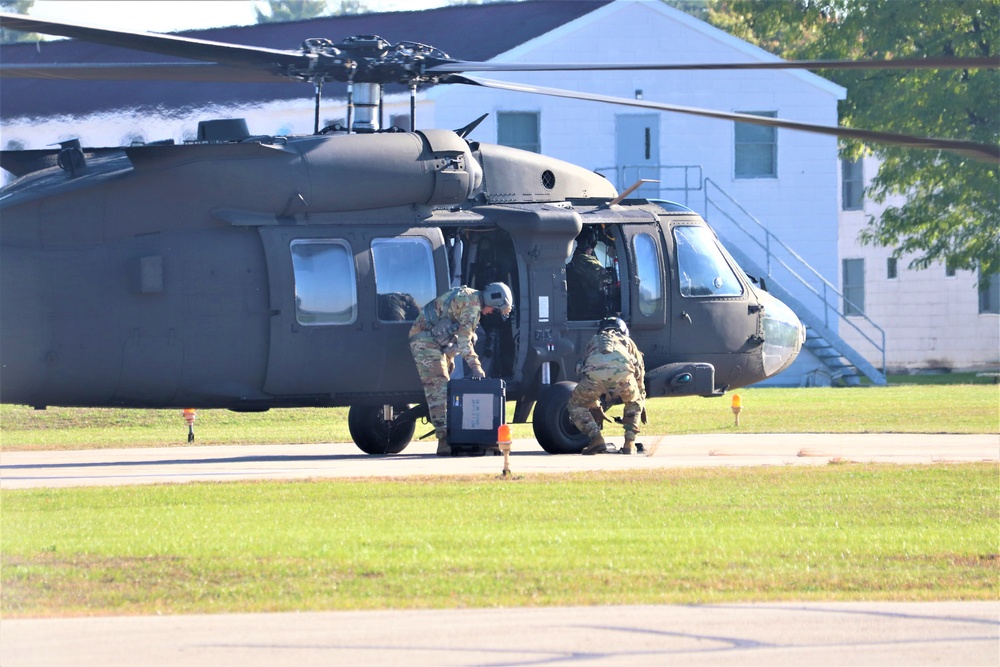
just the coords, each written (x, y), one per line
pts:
(613, 366)
(445, 327)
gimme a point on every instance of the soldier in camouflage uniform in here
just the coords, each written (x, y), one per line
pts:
(612, 366)
(446, 327)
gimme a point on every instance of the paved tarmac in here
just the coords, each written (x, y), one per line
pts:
(764, 635)
(105, 467)
(793, 633)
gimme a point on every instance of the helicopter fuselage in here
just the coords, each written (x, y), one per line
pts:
(278, 272)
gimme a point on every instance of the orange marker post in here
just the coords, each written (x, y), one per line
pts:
(503, 442)
(737, 407)
(189, 417)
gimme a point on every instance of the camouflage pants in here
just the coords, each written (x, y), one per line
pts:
(434, 368)
(587, 395)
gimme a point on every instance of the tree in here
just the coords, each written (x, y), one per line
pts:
(12, 36)
(283, 11)
(952, 204)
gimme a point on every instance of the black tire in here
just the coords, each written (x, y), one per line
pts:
(374, 435)
(553, 429)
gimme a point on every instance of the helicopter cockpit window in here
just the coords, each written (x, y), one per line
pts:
(324, 282)
(404, 276)
(703, 269)
(647, 269)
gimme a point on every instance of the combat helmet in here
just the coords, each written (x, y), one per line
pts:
(614, 324)
(499, 296)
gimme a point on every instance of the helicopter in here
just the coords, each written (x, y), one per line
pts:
(285, 271)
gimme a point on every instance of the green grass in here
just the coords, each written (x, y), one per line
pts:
(840, 532)
(898, 408)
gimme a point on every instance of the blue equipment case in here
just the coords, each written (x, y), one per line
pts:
(476, 409)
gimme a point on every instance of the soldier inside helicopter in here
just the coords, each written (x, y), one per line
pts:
(592, 277)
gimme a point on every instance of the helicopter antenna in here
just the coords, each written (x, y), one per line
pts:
(319, 95)
(467, 130)
(413, 107)
(632, 188)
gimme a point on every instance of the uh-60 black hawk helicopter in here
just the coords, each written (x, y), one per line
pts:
(249, 272)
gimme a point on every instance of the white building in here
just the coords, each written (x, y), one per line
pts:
(933, 319)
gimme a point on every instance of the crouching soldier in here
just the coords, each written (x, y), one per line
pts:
(446, 327)
(612, 366)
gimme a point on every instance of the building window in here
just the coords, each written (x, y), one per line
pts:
(891, 269)
(989, 293)
(756, 148)
(852, 186)
(404, 277)
(949, 268)
(519, 129)
(325, 290)
(854, 286)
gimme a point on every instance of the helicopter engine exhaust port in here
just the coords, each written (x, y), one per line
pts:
(380, 430)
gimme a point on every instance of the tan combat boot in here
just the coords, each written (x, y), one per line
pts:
(596, 446)
(628, 421)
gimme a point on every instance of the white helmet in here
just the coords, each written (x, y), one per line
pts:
(498, 296)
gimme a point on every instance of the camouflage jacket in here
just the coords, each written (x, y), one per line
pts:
(458, 311)
(611, 354)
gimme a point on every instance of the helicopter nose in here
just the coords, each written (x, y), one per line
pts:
(784, 335)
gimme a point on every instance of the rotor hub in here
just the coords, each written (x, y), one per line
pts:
(368, 59)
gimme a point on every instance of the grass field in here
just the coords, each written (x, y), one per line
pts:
(845, 531)
(840, 532)
(899, 408)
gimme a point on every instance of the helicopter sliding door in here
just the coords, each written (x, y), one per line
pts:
(343, 299)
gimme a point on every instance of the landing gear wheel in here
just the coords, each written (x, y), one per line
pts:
(553, 429)
(374, 435)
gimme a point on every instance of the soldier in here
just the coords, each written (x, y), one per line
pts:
(585, 278)
(445, 327)
(612, 366)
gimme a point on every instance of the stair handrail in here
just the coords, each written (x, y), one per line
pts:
(766, 247)
(693, 177)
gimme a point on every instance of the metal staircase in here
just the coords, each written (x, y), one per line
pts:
(815, 300)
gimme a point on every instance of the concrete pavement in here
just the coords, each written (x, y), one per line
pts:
(103, 467)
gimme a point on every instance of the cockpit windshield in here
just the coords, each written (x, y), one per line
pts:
(702, 267)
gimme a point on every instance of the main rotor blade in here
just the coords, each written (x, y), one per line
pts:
(459, 66)
(207, 72)
(984, 152)
(171, 45)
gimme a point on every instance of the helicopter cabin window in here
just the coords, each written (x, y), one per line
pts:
(701, 265)
(647, 269)
(519, 129)
(404, 276)
(324, 282)
(756, 148)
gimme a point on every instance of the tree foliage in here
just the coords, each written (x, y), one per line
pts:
(951, 211)
(284, 11)
(12, 36)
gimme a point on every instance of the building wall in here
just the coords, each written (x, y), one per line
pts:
(799, 206)
(931, 320)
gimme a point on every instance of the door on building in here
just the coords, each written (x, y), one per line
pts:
(637, 152)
